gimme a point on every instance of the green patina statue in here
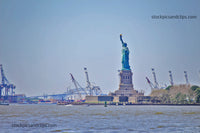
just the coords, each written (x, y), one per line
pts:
(125, 55)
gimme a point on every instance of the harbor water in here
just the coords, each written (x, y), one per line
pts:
(97, 118)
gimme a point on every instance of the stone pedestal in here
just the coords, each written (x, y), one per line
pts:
(125, 85)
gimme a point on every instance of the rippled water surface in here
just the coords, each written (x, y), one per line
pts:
(78, 118)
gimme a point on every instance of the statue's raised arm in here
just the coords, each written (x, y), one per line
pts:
(121, 39)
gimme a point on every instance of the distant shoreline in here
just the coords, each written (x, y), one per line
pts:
(160, 104)
(113, 104)
(128, 104)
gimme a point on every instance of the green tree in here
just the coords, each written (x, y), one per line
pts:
(197, 92)
(177, 98)
(173, 100)
(168, 88)
(180, 99)
(183, 99)
(165, 98)
(194, 87)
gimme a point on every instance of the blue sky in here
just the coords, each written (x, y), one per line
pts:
(41, 42)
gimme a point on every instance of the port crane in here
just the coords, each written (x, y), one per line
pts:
(199, 73)
(155, 80)
(5, 85)
(93, 90)
(171, 78)
(78, 87)
(155, 85)
(150, 84)
(90, 89)
(186, 77)
(88, 84)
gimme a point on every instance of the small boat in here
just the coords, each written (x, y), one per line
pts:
(69, 105)
(63, 103)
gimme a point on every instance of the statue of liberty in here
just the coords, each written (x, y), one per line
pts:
(125, 55)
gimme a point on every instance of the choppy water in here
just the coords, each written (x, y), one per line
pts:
(58, 118)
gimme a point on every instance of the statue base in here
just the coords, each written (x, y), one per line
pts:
(126, 86)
